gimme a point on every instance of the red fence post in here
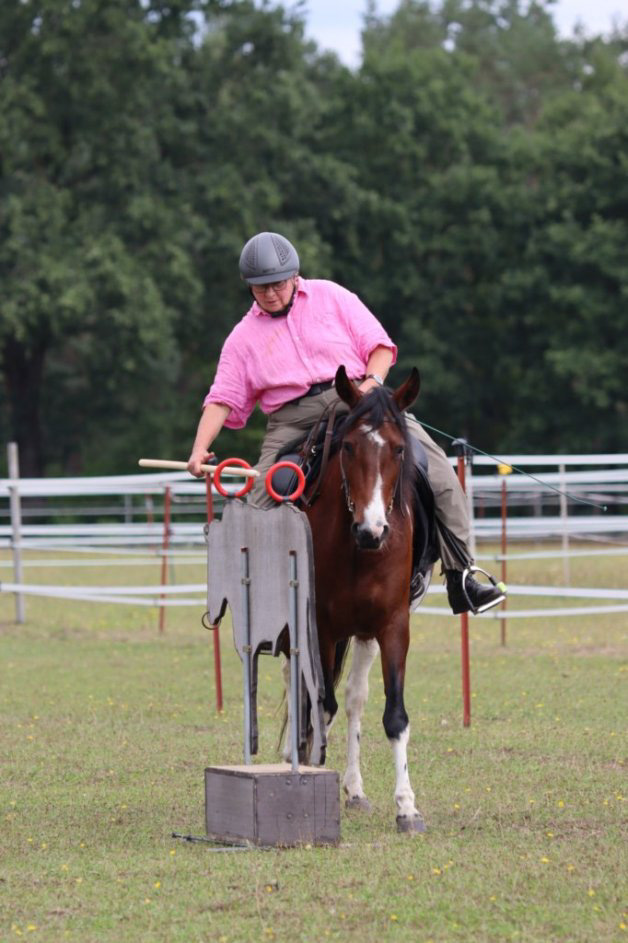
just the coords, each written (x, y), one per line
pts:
(164, 558)
(460, 447)
(216, 631)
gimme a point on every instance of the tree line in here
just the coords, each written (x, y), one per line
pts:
(469, 181)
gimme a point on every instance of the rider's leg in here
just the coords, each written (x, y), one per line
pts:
(454, 528)
(286, 424)
(450, 500)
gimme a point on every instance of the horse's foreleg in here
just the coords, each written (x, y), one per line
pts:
(394, 646)
(330, 705)
(356, 694)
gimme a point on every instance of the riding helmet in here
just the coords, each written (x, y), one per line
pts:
(268, 257)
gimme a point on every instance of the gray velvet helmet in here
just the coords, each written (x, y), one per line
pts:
(268, 257)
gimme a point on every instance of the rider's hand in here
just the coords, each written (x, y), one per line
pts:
(197, 458)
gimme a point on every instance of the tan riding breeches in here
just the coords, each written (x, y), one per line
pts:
(295, 419)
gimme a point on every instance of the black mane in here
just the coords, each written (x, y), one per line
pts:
(377, 406)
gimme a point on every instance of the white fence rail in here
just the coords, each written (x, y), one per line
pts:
(157, 596)
(58, 536)
(136, 542)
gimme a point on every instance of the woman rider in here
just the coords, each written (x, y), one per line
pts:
(284, 353)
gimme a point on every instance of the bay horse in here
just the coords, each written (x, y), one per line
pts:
(362, 527)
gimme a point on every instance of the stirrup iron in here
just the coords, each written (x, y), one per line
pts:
(469, 571)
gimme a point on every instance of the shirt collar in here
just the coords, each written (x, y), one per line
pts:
(302, 289)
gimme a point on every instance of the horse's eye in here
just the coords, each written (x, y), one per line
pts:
(347, 447)
(399, 450)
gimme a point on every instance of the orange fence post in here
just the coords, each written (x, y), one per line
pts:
(504, 470)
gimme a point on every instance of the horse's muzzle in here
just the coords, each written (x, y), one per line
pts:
(367, 539)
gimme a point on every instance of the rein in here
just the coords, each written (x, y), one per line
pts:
(330, 416)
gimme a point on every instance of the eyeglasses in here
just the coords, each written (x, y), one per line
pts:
(271, 286)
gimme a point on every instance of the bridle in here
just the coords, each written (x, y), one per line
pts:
(347, 491)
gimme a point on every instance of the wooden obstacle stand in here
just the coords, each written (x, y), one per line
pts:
(260, 563)
(272, 806)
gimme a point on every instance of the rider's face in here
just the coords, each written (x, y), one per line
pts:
(275, 295)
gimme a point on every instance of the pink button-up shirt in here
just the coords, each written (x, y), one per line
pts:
(274, 360)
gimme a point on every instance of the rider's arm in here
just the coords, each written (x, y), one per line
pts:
(379, 364)
(211, 422)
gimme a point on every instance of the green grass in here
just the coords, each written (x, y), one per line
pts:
(107, 727)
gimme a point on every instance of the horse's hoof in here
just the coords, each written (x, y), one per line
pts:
(410, 823)
(358, 802)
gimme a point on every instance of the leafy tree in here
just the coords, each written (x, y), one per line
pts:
(576, 256)
(468, 181)
(512, 48)
(459, 245)
(94, 253)
(426, 249)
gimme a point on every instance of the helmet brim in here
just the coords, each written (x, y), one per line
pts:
(273, 277)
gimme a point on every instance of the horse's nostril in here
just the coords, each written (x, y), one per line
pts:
(385, 531)
(355, 529)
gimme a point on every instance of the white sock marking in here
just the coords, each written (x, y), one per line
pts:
(404, 796)
(356, 694)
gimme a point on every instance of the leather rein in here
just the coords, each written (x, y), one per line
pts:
(310, 445)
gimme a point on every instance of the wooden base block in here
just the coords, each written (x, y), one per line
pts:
(272, 805)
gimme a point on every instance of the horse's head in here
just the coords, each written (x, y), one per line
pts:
(372, 451)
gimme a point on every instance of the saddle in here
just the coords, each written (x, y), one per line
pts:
(311, 454)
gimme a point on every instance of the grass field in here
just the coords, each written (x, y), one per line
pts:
(107, 727)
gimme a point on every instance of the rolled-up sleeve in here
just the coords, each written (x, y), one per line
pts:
(365, 329)
(232, 387)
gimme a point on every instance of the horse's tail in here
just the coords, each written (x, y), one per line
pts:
(282, 706)
(342, 650)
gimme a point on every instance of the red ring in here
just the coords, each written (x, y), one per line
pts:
(299, 488)
(219, 470)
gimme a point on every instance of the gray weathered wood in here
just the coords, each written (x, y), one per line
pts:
(270, 535)
(272, 805)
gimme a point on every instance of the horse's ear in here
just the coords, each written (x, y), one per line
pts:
(346, 388)
(406, 394)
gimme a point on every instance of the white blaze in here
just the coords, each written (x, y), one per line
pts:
(375, 510)
(374, 518)
(375, 437)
